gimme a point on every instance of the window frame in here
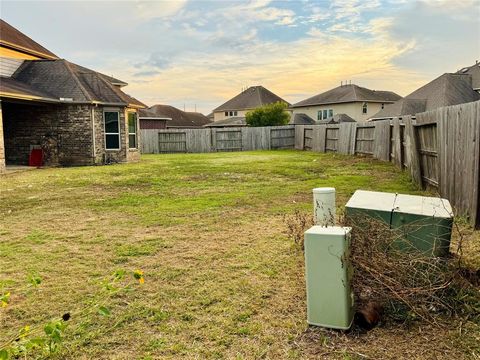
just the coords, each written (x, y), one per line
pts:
(326, 111)
(364, 108)
(105, 129)
(134, 113)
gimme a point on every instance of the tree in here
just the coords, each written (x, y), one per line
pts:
(274, 114)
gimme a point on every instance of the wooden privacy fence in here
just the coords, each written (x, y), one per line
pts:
(440, 148)
(155, 141)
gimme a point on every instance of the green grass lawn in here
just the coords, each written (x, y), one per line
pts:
(222, 280)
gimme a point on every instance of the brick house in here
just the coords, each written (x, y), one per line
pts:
(77, 116)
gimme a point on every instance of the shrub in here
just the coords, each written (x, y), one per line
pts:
(269, 115)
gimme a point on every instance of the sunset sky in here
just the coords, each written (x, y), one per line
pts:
(204, 52)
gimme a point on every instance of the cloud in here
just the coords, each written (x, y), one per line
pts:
(149, 73)
(204, 52)
(157, 9)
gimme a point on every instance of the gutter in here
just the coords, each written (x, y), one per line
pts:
(58, 101)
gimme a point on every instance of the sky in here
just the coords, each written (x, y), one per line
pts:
(198, 54)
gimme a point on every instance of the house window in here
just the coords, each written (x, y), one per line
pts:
(226, 113)
(132, 130)
(235, 113)
(364, 108)
(324, 114)
(112, 130)
(383, 106)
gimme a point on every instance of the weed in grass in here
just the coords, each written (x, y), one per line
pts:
(215, 221)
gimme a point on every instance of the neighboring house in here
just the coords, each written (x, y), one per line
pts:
(448, 89)
(249, 99)
(357, 102)
(77, 116)
(166, 116)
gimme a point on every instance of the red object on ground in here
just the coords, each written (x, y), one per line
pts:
(35, 158)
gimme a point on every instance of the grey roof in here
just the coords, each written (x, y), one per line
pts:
(336, 119)
(62, 79)
(12, 86)
(448, 89)
(474, 71)
(178, 117)
(232, 121)
(301, 119)
(349, 93)
(251, 98)
(13, 38)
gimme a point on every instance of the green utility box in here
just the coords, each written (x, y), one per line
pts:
(425, 222)
(328, 276)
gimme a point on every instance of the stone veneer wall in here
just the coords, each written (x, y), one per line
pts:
(2, 146)
(64, 132)
(124, 153)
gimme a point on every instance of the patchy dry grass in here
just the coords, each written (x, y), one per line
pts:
(222, 279)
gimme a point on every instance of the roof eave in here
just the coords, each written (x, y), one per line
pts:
(343, 102)
(154, 118)
(18, 96)
(27, 50)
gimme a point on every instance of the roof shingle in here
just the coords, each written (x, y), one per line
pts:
(251, 98)
(448, 89)
(62, 79)
(349, 93)
(179, 118)
(11, 37)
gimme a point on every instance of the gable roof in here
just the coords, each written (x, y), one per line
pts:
(178, 117)
(448, 89)
(251, 98)
(349, 93)
(15, 39)
(64, 81)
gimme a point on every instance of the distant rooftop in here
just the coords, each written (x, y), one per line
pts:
(178, 117)
(349, 93)
(251, 98)
(448, 89)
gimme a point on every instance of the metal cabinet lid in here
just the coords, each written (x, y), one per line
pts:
(424, 206)
(372, 200)
(400, 203)
(328, 230)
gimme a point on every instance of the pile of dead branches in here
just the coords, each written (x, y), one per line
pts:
(408, 282)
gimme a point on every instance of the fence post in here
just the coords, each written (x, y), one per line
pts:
(381, 142)
(322, 137)
(412, 148)
(345, 137)
(299, 136)
(397, 143)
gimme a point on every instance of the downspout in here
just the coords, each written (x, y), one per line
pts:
(94, 148)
